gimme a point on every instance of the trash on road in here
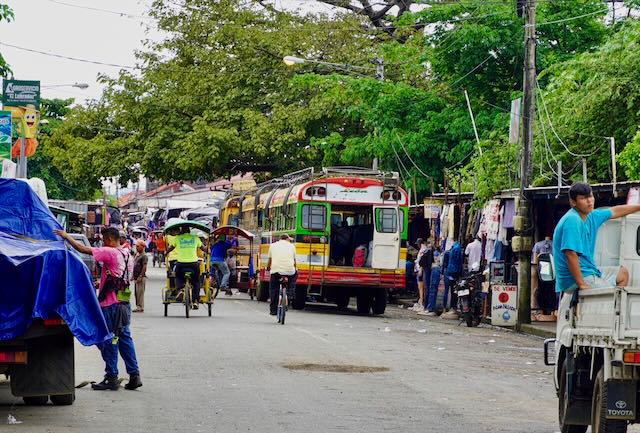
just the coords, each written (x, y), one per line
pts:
(386, 329)
(422, 331)
(12, 420)
(441, 348)
(491, 341)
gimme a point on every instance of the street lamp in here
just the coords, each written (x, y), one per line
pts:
(291, 60)
(379, 68)
(81, 86)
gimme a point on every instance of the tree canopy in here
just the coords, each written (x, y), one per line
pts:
(214, 97)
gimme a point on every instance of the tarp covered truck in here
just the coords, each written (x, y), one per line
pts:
(46, 298)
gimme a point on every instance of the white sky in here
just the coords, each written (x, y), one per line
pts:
(49, 26)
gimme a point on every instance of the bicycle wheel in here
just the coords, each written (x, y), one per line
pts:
(283, 304)
(187, 298)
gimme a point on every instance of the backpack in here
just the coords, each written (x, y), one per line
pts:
(118, 284)
(360, 257)
(426, 259)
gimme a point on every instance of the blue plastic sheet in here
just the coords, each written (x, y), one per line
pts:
(39, 276)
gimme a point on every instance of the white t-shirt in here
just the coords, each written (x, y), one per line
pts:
(283, 256)
(474, 251)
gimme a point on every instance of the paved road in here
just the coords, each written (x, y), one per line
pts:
(227, 374)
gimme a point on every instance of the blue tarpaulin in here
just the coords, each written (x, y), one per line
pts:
(39, 276)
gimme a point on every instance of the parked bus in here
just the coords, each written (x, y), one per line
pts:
(349, 226)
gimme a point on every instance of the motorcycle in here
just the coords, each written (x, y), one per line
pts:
(469, 293)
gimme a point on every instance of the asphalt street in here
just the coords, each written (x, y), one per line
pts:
(240, 371)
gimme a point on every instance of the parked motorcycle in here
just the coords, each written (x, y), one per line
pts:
(469, 291)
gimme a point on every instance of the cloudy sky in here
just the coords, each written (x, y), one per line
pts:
(71, 28)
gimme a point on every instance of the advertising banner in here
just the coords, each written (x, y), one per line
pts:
(504, 305)
(5, 135)
(20, 93)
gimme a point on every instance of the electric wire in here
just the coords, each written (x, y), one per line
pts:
(60, 56)
(564, 20)
(410, 159)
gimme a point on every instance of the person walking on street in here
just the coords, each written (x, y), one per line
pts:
(117, 314)
(282, 261)
(139, 275)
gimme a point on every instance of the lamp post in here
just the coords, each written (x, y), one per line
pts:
(378, 61)
(81, 86)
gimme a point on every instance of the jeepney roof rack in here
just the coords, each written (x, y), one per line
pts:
(390, 178)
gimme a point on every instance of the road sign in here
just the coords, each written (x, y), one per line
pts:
(504, 305)
(5, 135)
(19, 93)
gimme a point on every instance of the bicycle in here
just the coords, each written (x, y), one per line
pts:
(283, 299)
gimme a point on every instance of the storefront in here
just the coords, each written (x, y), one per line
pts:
(456, 218)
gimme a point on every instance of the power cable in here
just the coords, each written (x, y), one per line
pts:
(564, 20)
(409, 156)
(544, 106)
(60, 56)
(107, 11)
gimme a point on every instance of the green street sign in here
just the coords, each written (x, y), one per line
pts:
(5, 136)
(19, 93)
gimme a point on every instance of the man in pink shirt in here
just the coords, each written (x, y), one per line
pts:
(116, 266)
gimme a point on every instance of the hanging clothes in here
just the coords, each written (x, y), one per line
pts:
(452, 222)
(509, 213)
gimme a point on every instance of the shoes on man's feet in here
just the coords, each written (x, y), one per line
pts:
(427, 313)
(271, 313)
(194, 306)
(228, 292)
(180, 296)
(109, 382)
(450, 315)
(419, 308)
(134, 382)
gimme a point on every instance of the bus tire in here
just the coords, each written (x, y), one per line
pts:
(363, 302)
(262, 292)
(379, 301)
(300, 298)
(342, 299)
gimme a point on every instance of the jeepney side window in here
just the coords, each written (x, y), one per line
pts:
(314, 217)
(386, 220)
(260, 218)
(402, 211)
(291, 224)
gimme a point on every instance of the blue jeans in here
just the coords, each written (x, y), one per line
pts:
(432, 289)
(223, 268)
(123, 345)
(449, 281)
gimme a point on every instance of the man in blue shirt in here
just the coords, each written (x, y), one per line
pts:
(219, 261)
(574, 243)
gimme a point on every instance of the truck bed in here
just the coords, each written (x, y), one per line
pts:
(607, 317)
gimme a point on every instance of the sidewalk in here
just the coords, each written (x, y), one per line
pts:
(539, 329)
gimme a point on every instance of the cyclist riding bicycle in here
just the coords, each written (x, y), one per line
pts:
(282, 262)
(186, 247)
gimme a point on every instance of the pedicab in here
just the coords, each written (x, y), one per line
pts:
(243, 260)
(183, 298)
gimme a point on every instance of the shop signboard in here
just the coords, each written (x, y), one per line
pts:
(504, 305)
(20, 93)
(5, 135)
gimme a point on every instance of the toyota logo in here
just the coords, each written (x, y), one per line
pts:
(621, 404)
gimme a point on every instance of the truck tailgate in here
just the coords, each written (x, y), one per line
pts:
(612, 313)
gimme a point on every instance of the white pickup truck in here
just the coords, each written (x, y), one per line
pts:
(597, 346)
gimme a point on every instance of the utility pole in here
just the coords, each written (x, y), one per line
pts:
(522, 242)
